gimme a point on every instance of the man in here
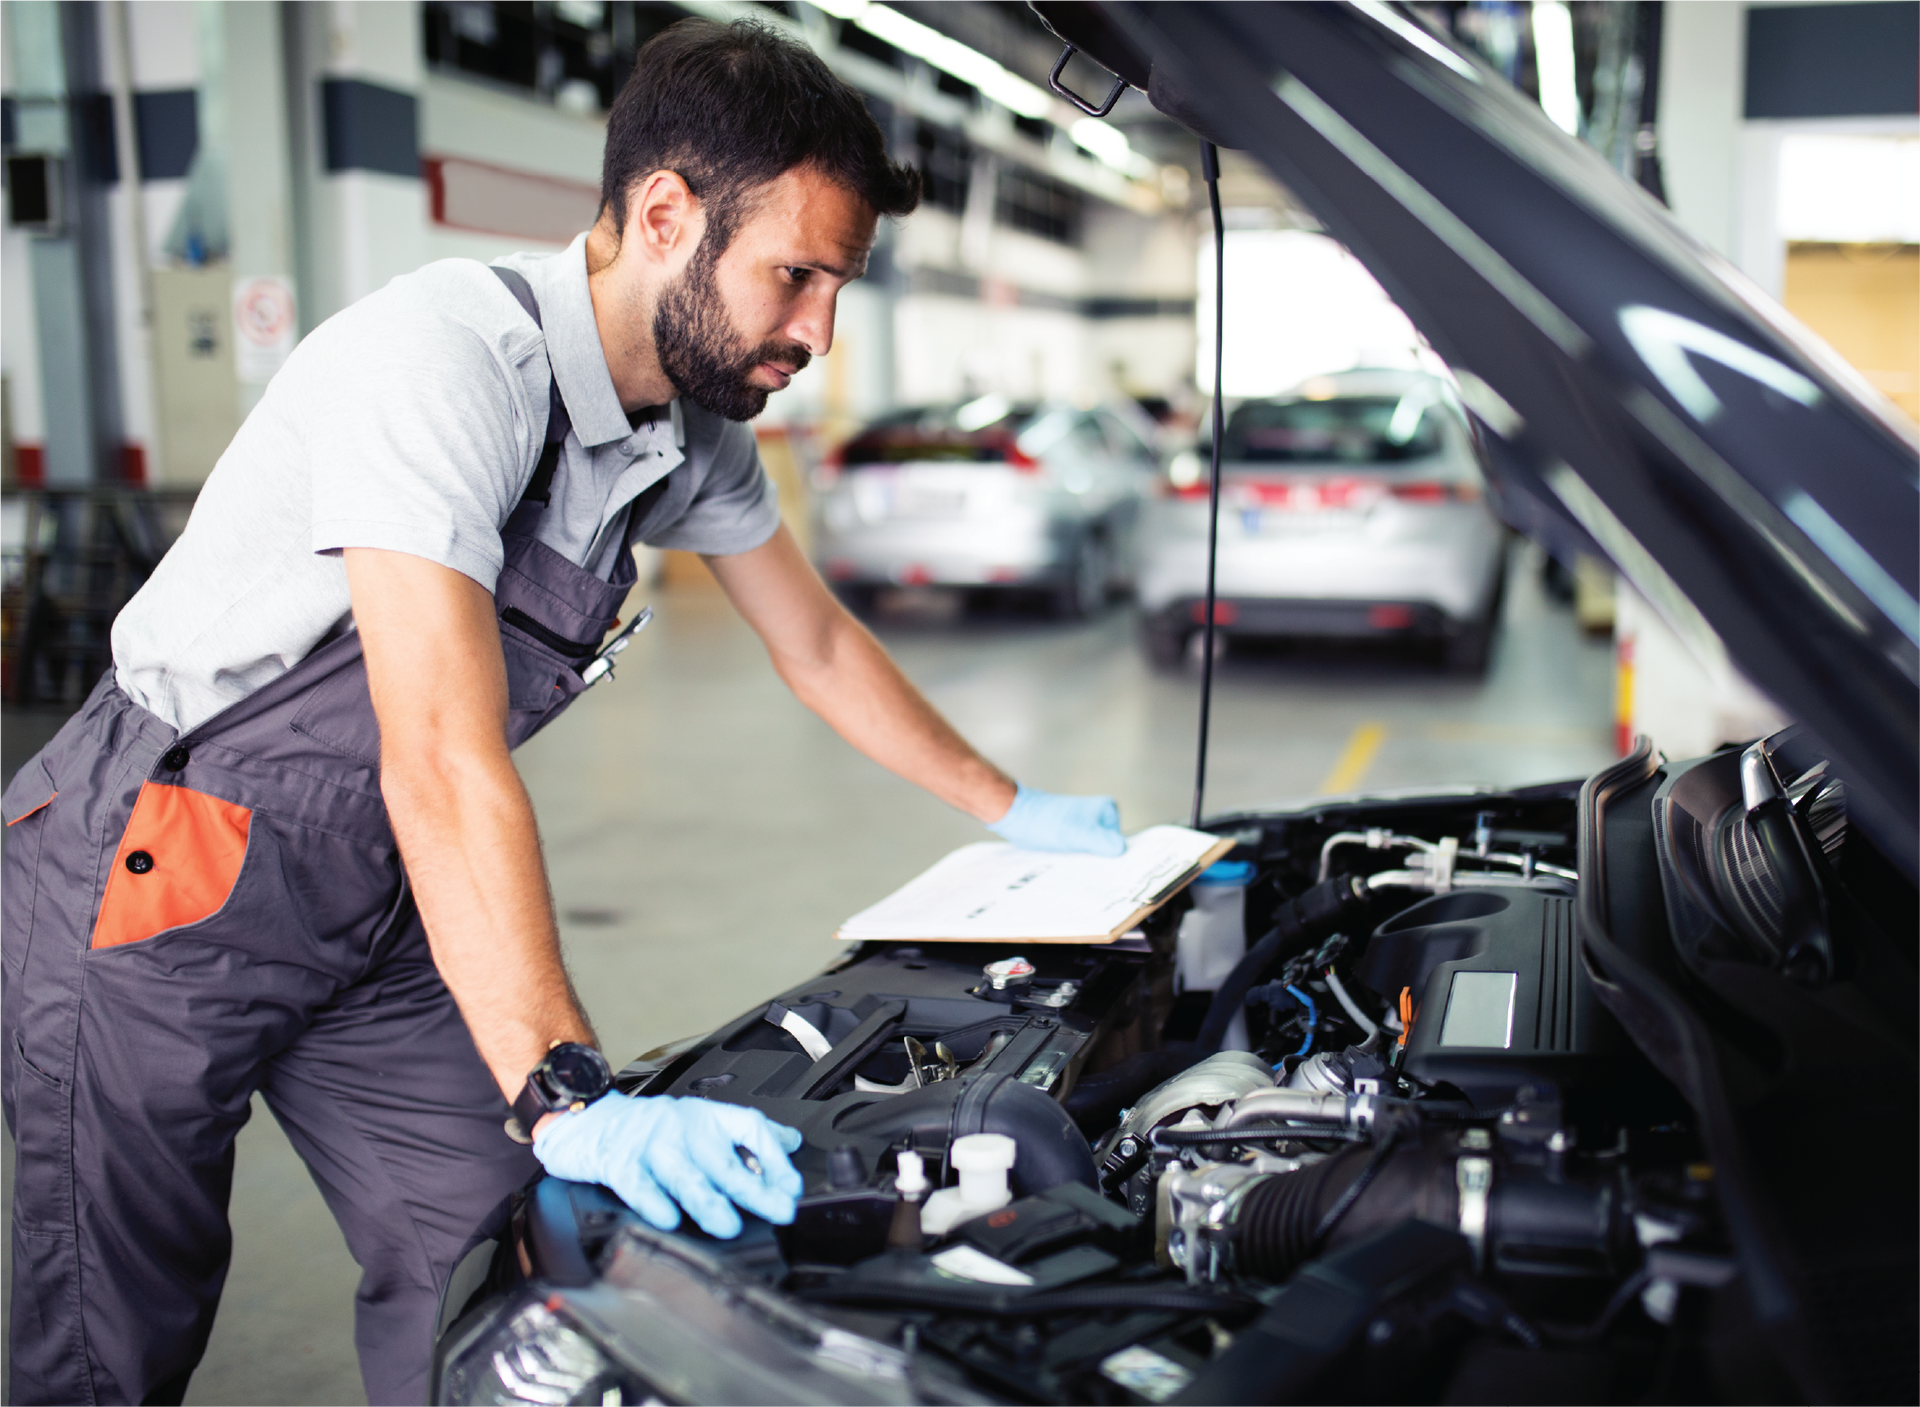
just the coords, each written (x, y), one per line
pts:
(398, 571)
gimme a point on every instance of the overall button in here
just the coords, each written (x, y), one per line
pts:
(139, 862)
(174, 759)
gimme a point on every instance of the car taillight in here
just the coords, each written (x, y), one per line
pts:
(1019, 459)
(1173, 490)
(1427, 491)
(1310, 496)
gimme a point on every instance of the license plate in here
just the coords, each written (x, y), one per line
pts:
(930, 503)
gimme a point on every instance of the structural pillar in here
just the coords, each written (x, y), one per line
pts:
(62, 116)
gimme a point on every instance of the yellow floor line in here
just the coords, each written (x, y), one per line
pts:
(1354, 759)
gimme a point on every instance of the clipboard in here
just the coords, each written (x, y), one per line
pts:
(994, 893)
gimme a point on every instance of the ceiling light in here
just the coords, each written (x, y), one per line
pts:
(1108, 143)
(995, 81)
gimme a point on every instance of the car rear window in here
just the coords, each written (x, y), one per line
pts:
(975, 433)
(1338, 430)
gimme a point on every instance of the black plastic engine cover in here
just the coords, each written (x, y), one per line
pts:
(1501, 998)
(866, 1008)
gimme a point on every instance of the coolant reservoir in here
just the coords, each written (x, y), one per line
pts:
(983, 1161)
(1213, 937)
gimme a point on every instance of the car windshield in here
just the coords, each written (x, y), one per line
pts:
(1336, 430)
(980, 431)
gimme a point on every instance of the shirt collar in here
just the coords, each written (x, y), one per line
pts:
(573, 346)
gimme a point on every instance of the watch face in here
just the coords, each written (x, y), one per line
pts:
(578, 1071)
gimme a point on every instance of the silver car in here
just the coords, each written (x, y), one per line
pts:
(988, 495)
(1351, 507)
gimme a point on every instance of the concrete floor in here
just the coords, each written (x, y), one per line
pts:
(705, 834)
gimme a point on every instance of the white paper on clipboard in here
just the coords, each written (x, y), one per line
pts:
(993, 892)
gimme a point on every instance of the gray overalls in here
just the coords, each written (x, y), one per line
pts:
(191, 917)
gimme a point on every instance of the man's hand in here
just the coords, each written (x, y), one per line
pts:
(836, 668)
(459, 811)
(1039, 820)
(655, 1152)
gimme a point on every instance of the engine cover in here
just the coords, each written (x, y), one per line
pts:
(1500, 996)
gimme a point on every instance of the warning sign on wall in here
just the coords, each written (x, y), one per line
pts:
(264, 326)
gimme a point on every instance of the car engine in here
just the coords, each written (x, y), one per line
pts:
(1436, 1167)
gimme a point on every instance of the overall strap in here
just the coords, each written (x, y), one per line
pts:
(540, 487)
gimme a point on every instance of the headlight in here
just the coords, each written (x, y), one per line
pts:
(532, 1353)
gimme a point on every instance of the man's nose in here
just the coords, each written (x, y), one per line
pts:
(812, 323)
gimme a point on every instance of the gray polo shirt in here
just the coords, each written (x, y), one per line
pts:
(412, 421)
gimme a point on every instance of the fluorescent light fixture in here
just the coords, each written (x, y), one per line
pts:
(1104, 141)
(909, 36)
(1553, 63)
(998, 83)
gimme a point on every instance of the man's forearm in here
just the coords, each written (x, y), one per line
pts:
(836, 668)
(467, 835)
(857, 688)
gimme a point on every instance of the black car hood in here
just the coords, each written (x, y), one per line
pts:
(1632, 390)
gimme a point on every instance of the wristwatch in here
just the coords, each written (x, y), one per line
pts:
(570, 1076)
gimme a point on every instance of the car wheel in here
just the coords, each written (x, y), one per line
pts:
(1083, 594)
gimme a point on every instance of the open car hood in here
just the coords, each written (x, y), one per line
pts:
(1633, 391)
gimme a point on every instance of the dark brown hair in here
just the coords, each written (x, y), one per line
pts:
(732, 107)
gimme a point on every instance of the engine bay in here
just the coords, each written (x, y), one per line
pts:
(1383, 1109)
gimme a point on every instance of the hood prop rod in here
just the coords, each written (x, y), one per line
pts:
(1210, 172)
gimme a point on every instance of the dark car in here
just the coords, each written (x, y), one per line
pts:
(1598, 1091)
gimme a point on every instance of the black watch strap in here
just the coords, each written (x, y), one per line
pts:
(571, 1076)
(528, 1106)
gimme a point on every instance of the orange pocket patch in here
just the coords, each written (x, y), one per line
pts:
(176, 864)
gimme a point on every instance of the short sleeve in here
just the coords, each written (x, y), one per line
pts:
(418, 436)
(735, 507)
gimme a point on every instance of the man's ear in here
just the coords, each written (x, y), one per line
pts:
(664, 218)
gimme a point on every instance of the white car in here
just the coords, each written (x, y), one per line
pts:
(988, 495)
(1353, 506)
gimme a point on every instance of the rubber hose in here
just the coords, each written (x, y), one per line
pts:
(1311, 916)
(1279, 1217)
(1096, 1100)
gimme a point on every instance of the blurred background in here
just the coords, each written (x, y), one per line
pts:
(1000, 463)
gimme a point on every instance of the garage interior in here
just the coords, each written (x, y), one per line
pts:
(700, 826)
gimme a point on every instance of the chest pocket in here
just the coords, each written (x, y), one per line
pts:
(553, 617)
(543, 667)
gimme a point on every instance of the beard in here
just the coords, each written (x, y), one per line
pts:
(702, 353)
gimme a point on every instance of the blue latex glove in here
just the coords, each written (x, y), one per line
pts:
(655, 1152)
(1039, 820)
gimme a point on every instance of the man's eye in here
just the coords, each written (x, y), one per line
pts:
(799, 275)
